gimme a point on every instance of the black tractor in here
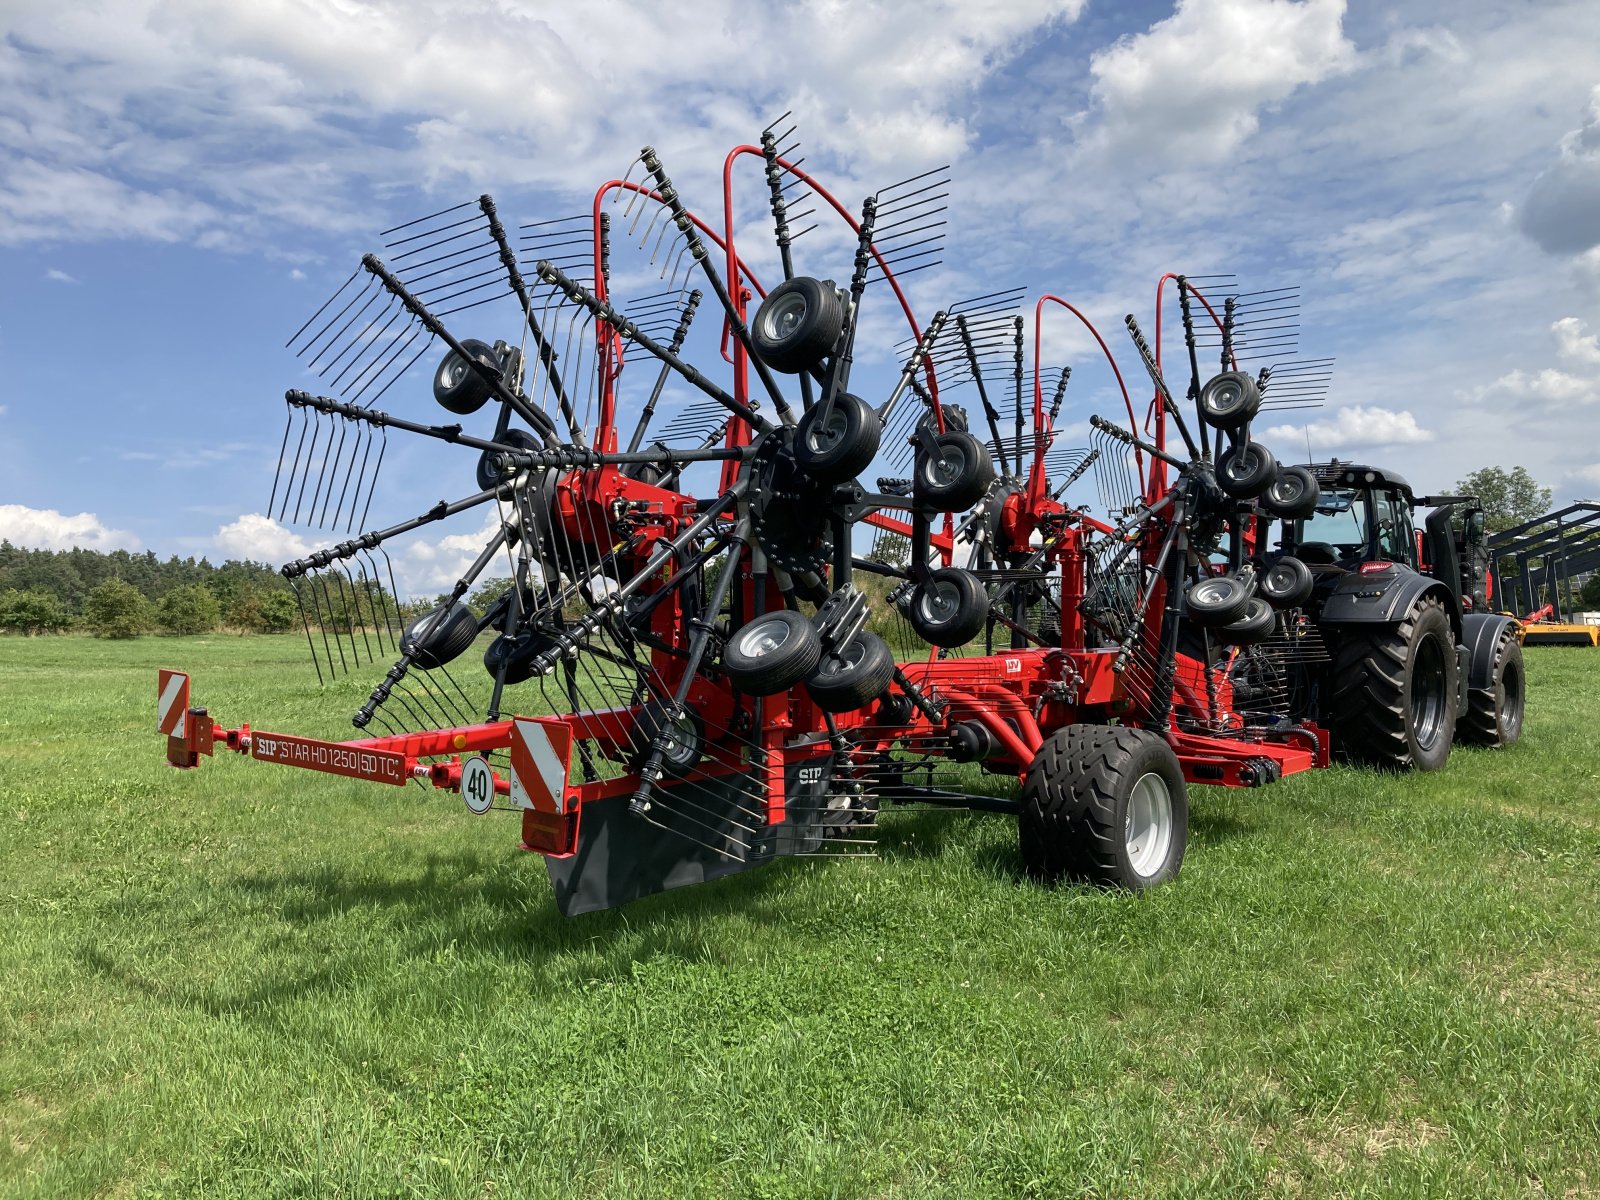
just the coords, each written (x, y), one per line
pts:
(1415, 658)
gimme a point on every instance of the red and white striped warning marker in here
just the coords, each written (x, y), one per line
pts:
(540, 753)
(172, 703)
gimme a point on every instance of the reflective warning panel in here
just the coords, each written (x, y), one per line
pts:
(172, 702)
(540, 752)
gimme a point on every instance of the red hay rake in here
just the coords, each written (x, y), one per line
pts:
(715, 644)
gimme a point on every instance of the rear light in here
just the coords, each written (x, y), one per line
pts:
(1375, 568)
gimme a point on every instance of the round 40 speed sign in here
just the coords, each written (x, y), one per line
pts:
(477, 785)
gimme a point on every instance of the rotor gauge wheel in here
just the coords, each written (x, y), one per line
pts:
(837, 441)
(949, 608)
(854, 677)
(1217, 601)
(798, 324)
(460, 387)
(772, 653)
(955, 478)
(1229, 400)
(1245, 468)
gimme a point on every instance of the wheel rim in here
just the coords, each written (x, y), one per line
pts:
(455, 371)
(1225, 398)
(1511, 703)
(1243, 464)
(763, 638)
(939, 602)
(681, 747)
(782, 318)
(846, 660)
(1428, 687)
(949, 466)
(1287, 491)
(1147, 828)
(823, 437)
(1212, 591)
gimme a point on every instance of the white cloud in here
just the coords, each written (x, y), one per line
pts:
(132, 118)
(1589, 474)
(1192, 88)
(1356, 426)
(260, 539)
(47, 529)
(1573, 345)
(426, 567)
(55, 275)
(1552, 389)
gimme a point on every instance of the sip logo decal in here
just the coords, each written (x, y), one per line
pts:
(812, 774)
(1013, 666)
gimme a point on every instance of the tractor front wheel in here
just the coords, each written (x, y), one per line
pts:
(1104, 804)
(1394, 691)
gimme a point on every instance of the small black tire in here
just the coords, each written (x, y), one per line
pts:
(490, 473)
(439, 635)
(855, 677)
(1293, 495)
(1287, 583)
(685, 736)
(457, 386)
(1393, 690)
(842, 447)
(517, 654)
(1106, 805)
(1229, 400)
(957, 477)
(1245, 469)
(949, 608)
(1494, 713)
(1257, 624)
(772, 653)
(798, 324)
(1217, 600)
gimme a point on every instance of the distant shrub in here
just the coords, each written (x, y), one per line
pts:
(114, 609)
(189, 609)
(31, 612)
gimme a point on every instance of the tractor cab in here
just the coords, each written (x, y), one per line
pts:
(1363, 515)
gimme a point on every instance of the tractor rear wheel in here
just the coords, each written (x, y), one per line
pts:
(1394, 691)
(1104, 804)
(1494, 713)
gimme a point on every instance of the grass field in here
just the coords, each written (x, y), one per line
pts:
(252, 981)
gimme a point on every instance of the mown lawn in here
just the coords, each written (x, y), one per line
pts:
(252, 981)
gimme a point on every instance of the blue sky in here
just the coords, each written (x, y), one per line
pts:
(183, 181)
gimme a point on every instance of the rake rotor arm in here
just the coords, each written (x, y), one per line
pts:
(1122, 435)
(989, 412)
(519, 404)
(559, 458)
(579, 294)
(1160, 382)
(674, 347)
(366, 541)
(697, 250)
(508, 260)
(908, 373)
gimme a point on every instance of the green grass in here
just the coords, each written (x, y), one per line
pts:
(252, 981)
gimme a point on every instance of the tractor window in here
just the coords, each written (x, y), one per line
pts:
(1340, 522)
(1396, 538)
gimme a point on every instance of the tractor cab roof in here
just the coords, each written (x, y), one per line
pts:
(1357, 475)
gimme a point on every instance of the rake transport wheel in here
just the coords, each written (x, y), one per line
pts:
(1394, 689)
(853, 678)
(1494, 713)
(1106, 805)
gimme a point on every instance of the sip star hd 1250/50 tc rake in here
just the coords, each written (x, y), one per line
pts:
(715, 644)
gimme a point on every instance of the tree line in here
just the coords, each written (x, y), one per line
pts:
(119, 594)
